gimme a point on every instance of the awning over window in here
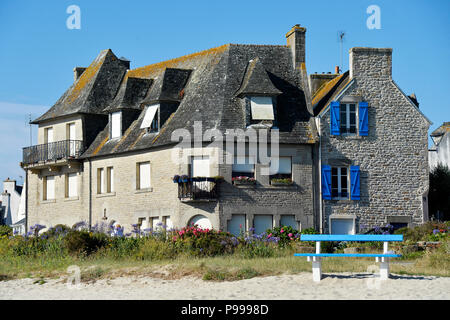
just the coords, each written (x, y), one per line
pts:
(149, 115)
(262, 108)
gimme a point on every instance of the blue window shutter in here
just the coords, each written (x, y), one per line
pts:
(326, 182)
(355, 183)
(334, 115)
(363, 119)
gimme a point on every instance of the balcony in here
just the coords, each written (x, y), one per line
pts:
(56, 152)
(197, 189)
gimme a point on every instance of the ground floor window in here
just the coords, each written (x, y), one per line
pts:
(262, 222)
(236, 224)
(201, 221)
(288, 221)
(342, 226)
(167, 222)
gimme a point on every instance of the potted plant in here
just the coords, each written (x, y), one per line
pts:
(243, 180)
(281, 182)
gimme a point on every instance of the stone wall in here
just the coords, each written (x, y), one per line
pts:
(392, 158)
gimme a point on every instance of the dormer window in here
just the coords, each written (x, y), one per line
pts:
(115, 121)
(262, 108)
(151, 118)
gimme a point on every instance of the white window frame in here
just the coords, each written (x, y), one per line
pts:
(139, 176)
(342, 217)
(101, 181)
(347, 118)
(261, 102)
(109, 179)
(339, 181)
(47, 188)
(73, 190)
(112, 127)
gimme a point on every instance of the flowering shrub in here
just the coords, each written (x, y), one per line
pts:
(285, 234)
(438, 235)
(243, 179)
(202, 242)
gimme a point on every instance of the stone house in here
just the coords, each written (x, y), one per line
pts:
(440, 151)
(372, 148)
(109, 148)
(171, 142)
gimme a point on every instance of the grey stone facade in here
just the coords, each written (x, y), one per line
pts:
(392, 157)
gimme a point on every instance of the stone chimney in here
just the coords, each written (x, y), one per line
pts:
(9, 186)
(77, 72)
(370, 62)
(296, 42)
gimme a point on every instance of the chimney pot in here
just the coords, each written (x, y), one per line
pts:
(336, 70)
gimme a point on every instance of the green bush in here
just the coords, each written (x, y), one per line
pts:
(202, 242)
(286, 234)
(84, 242)
(6, 231)
(153, 249)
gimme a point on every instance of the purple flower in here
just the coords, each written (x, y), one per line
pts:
(435, 231)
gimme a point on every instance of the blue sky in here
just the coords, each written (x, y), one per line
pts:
(38, 52)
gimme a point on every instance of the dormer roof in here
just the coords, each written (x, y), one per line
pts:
(256, 81)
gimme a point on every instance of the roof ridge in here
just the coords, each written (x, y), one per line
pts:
(139, 72)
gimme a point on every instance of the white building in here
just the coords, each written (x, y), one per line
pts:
(440, 151)
(13, 206)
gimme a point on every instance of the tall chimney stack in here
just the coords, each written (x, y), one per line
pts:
(296, 42)
(370, 62)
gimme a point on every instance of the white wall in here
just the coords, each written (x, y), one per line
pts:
(442, 153)
(14, 201)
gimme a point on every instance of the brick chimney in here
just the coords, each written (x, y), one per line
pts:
(77, 72)
(370, 62)
(296, 42)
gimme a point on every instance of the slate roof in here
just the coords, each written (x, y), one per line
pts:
(131, 92)
(93, 90)
(256, 81)
(204, 84)
(325, 94)
(443, 129)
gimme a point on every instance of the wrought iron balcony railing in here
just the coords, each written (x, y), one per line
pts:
(197, 189)
(65, 149)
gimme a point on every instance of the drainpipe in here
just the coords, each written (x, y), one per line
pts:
(26, 201)
(320, 176)
(90, 193)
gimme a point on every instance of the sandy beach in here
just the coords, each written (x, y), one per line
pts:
(287, 287)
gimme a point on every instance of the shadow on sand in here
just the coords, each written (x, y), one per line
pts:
(372, 275)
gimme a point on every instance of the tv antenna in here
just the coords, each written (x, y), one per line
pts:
(29, 123)
(341, 35)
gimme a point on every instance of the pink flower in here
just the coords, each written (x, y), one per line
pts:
(240, 226)
(174, 238)
(269, 235)
(290, 235)
(282, 231)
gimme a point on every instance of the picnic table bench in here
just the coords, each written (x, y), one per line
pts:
(383, 258)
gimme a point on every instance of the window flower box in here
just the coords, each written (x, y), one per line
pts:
(243, 180)
(281, 182)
